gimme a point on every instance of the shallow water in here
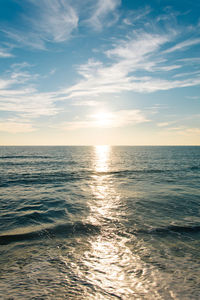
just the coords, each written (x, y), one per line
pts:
(100, 222)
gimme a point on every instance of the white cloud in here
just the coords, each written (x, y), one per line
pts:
(22, 38)
(5, 53)
(16, 75)
(190, 60)
(46, 21)
(85, 103)
(187, 74)
(168, 68)
(18, 96)
(103, 9)
(136, 15)
(136, 47)
(28, 103)
(5, 83)
(181, 46)
(56, 19)
(20, 66)
(140, 52)
(163, 124)
(183, 131)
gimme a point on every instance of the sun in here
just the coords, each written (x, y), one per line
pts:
(103, 119)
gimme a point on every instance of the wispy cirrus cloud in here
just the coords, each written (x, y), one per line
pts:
(56, 19)
(5, 53)
(136, 15)
(183, 45)
(45, 21)
(24, 100)
(28, 102)
(102, 10)
(139, 52)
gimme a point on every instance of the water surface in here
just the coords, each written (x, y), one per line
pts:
(99, 222)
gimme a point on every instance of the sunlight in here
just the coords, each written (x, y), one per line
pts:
(102, 157)
(109, 256)
(103, 119)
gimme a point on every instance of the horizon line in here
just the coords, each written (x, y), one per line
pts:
(114, 145)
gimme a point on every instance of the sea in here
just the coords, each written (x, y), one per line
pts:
(100, 222)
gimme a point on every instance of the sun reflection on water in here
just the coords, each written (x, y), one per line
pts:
(102, 154)
(109, 259)
(105, 199)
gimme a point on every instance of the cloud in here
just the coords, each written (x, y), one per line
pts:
(190, 60)
(193, 97)
(16, 126)
(86, 103)
(183, 131)
(163, 124)
(140, 52)
(25, 100)
(16, 75)
(129, 56)
(132, 64)
(187, 74)
(45, 21)
(135, 47)
(5, 83)
(181, 46)
(18, 96)
(56, 19)
(103, 119)
(102, 10)
(5, 53)
(133, 17)
(191, 131)
(28, 103)
(20, 66)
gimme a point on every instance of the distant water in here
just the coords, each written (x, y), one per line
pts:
(100, 223)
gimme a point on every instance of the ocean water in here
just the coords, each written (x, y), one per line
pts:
(99, 222)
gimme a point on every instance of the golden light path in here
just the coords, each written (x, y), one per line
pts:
(109, 260)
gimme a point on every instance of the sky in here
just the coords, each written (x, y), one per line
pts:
(116, 72)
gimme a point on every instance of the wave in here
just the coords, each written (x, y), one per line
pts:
(62, 230)
(37, 163)
(39, 217)
(146, 171)
(130, 172)
(171, 229)
(40, 178)
(64, 176)
(195, 168)
(24, 156)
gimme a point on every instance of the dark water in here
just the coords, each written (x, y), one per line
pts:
(100, 223)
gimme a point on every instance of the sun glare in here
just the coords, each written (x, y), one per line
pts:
(103, 119)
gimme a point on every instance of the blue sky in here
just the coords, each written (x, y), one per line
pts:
(99, 72)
